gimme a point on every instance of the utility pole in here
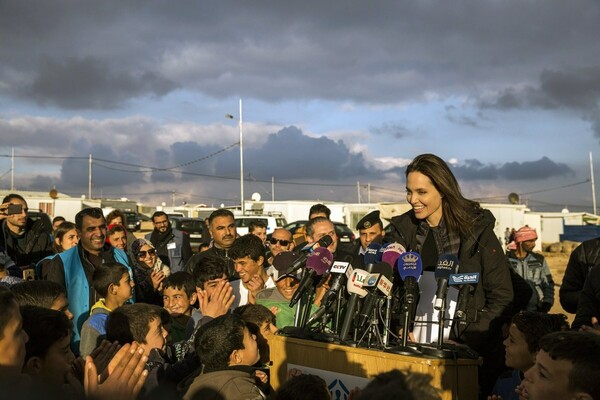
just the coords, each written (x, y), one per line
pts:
(90, 178)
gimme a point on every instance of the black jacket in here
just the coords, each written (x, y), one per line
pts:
(582, 259)
(589, 300)
(481, 253)
(38, 244)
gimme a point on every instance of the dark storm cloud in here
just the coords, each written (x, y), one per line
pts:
(543, 168)
(90, 83)
(275, 51)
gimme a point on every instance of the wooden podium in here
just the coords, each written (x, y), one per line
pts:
(457, 379)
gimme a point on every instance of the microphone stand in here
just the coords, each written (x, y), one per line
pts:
(404, 349)
(388, 320)
(373, 329)
(439, 350)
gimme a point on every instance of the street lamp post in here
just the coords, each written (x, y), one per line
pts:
(241, 126)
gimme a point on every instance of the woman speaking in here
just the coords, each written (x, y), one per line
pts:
(442, 222)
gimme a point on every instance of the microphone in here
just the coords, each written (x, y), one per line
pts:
(391, 253)
(324, 242)
(372, 256)
(466, 280)
(382, 275)
(317, 263)
(447, 264)
(354, 287)
(410, 268)
(339, 270)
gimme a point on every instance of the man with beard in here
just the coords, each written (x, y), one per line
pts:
(221, 225)
(26, 242)
(74, 269)
(173, 246)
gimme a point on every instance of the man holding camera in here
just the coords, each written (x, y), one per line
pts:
(26, 242)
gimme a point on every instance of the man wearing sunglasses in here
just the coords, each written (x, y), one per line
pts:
(281, 240)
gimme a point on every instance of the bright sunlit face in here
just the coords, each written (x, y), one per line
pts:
(287, 287)
(424, 198)
(281, 240)
(247, 267)
(325, 228)
(124, 290)
(249, 355)
(69, 240)
(223, 231)
(118, 240)
(177, 302)
(368, 235)
(93, 234)
(517, 353)
(147, 256)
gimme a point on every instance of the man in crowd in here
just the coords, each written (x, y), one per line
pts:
(582, 259)
(26, 242)
(74, 269)
(281, 240)
(317, 210)
(318, 227)
(259, 229)
(370, 229)
(172, 245)
(221, 225)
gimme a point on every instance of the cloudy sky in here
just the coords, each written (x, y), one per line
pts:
(334, 93)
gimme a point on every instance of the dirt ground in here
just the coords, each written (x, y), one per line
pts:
(558, 263)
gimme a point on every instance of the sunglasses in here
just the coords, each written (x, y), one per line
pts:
(284, 243)
(143, 253)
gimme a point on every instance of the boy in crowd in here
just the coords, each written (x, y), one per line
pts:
(45, 294)
(208, 274)
(258, 229)
(248, 255)
(179, 296)
(12, 343)
(227, 370)
(277, 299)
(522, 345)
(261, 322)
(566, 367)
(48, 358)
(140, 323)
(115, 286)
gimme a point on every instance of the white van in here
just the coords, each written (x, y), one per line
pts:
(242, 222)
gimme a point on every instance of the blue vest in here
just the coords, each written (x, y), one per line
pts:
(78, 287)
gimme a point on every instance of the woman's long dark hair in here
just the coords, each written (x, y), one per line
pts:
(458, 212)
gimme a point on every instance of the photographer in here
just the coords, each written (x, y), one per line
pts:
(25, 241)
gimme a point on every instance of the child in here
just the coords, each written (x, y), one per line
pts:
(522, 345)
(261, 322)
(140, 323)
(209, 272)
(179, 296)
(113, 283)
(248, 255)
(45, 294)
(277, 299)
(48, 357)
(12, 341)
(227, 372)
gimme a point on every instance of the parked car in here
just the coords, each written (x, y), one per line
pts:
(194, 227)
(134, 221)
(242, 222)
(344, 233)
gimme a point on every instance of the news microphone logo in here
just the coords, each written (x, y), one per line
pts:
(411, 261)
(339, 267)
(464, 279)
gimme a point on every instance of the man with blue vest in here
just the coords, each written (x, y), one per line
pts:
(74, 268)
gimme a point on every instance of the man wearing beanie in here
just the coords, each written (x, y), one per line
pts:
(533, 268)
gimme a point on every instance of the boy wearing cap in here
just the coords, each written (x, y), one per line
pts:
(533, 268)
(277, 299)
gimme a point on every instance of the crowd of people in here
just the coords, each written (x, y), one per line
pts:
(91, 311)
